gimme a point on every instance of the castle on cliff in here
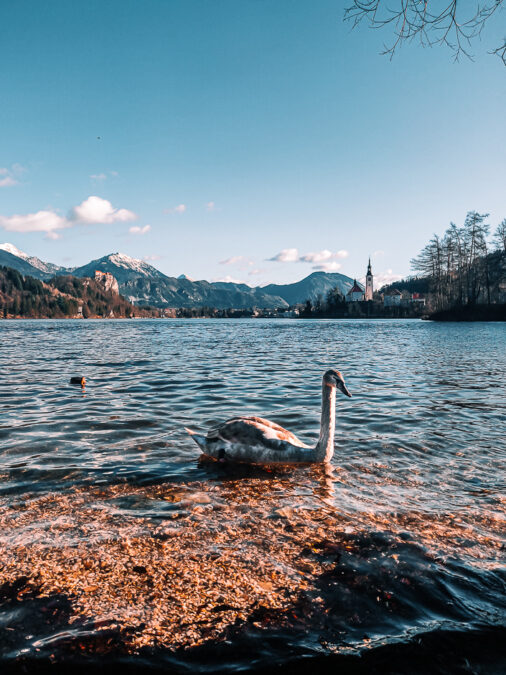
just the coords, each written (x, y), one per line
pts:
(107, 281)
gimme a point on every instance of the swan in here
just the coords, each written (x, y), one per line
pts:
(259, 441)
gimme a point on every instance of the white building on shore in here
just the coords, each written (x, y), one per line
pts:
(359, 294)
(355, 294)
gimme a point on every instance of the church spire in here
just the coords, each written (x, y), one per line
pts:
(369, 288)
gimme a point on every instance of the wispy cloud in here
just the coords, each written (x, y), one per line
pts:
(96, 210)
(235, 260)
(328, 266)
(387, 277)
(103, 176)
(149, 258)
(378, 254)
(323, 256)
(8, 177)
(8, 181)
(286, 255)
(139, 230)
(256, 271)
(41, 221)
(210, 206)
(292, 255)
(180, 208)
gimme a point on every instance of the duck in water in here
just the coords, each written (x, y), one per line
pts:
(259, 441)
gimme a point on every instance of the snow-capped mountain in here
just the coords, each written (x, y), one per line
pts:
(143, 284)
(45, 267)
(122, 266)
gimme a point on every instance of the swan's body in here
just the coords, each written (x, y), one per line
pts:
(259, 441)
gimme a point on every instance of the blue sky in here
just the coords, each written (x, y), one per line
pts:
(237, 129)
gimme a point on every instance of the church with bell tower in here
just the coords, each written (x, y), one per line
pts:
(368, 283)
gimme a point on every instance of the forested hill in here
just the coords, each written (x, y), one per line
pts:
(61, 297)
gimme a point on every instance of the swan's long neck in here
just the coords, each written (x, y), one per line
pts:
(325, 446)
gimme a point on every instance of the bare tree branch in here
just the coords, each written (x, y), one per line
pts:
(454, 23)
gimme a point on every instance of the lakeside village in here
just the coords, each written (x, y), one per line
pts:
(358, 302)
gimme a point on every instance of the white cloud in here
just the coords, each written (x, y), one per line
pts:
(9, 175)
(98, 176)
(377, 254)
(152, 257)
(114, 173)
(292, 255)
(328, 266)
(388, 277)
(8, 181)
(255, 271)
(98, 210)
(210, 206)
(234, 260)
(286, 255)
(140, 230)
(42, 221)
(180, 208)
(323, 256)
(92, 210)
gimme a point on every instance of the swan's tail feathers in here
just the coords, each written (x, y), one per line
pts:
(198, 438)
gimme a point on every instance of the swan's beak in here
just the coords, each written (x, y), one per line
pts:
(344, 389)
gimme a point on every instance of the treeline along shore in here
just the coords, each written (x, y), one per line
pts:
(460, 276)
(465, 271)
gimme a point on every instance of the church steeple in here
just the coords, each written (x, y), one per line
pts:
(369, 282)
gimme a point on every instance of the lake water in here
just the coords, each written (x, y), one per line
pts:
(120, 545)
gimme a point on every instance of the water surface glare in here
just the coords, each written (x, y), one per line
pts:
(119, 542)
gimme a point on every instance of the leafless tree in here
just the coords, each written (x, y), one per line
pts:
(454, 23)
(461, 266)
(500, 236)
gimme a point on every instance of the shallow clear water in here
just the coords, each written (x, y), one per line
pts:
(402, 538)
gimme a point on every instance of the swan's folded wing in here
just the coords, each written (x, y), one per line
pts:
(254, 431)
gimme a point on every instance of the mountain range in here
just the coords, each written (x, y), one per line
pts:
(143, 284)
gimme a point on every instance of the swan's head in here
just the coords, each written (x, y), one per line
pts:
(333, 378)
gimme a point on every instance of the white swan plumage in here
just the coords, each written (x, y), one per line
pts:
(258, 441)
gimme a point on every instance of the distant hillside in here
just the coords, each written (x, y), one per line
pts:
(7, 259)
(411, 285)
(45, 268)
(121, 266)
(318, 283)
(61, 297)
(142, 284)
